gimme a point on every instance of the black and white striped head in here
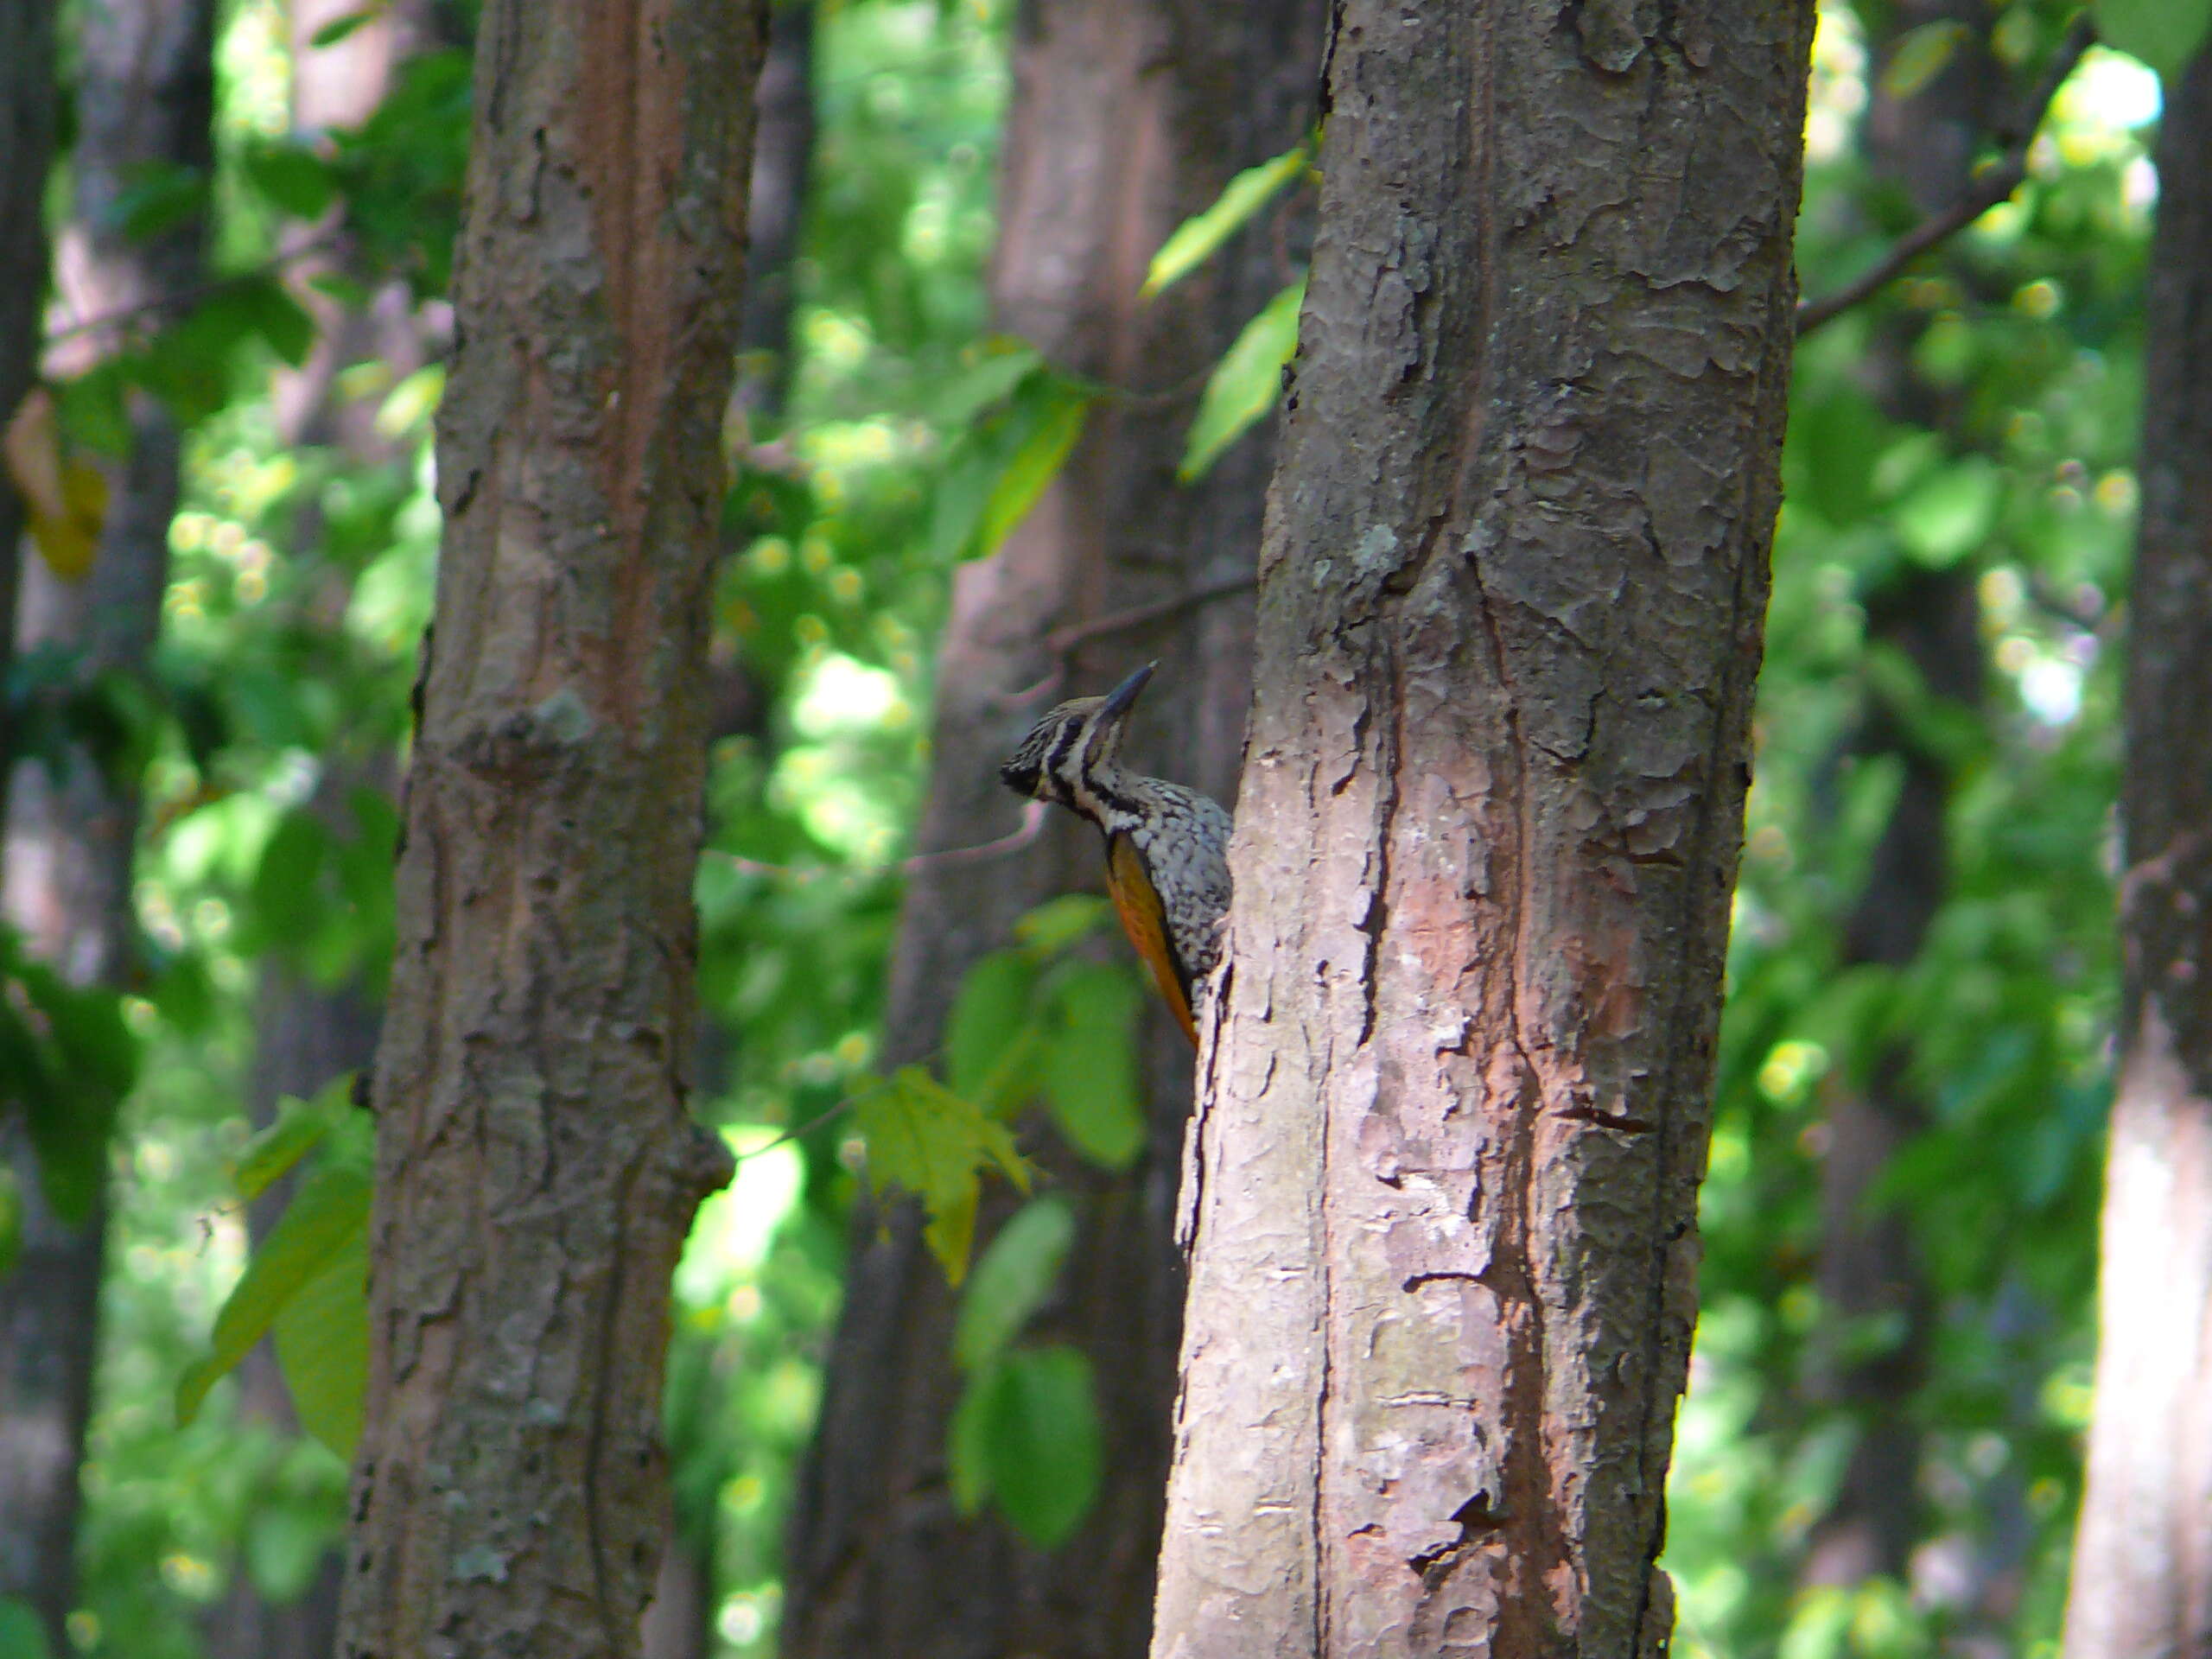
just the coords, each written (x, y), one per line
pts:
(1074, 744)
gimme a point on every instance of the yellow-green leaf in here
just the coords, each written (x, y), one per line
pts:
(1198, 235)
(327, 1218)
(1245, 383)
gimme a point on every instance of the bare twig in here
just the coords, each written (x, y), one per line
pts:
(1031, 826)
(1995, 183)
(1062, 642)
(177, 298)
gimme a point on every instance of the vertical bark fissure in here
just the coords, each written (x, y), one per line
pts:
(537, 1170)
(1526, 495)
(2142, 1570)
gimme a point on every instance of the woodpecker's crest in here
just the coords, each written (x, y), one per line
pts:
(1166, 846)
(1073, 746)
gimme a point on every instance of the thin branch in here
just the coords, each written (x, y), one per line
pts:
(1994, 184)
(177, 298)
(1031, 826)
(1062, 642)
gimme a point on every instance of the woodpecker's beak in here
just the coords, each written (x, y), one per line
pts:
(1123, 696)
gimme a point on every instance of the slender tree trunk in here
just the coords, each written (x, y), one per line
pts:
(1925, 145)
(1127, 118)
(536, 1170)
(307, 1034)
(27, 101)
(680, 1621)
(2143, 1556)
(1443, 1182)
(144, 97)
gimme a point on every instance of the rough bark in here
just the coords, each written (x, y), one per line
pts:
(1126, 118)
(2143, 1555)
(536, 1170)
(1456, 1089)
(27, 78)
(1925, 146)
(144, 97)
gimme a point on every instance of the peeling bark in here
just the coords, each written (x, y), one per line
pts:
(1127, 118)
(2143, 1555)
(536, 1171)
(1456, 1088)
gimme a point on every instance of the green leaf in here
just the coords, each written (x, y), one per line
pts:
(1055, 423)
(293, 178)
(339, 28)
(1951, 512)
(1058, 923)
(1034, 1438)
(966, 1443)
(301, 1127)
(2165, 34)
(12, 1227)
(22, 1632)
(998, 366)
(71, 1062)
(1835, 444)
(327, 1220)
(322, 1337)
(1920, 55)
(158, 196)
(1200, 234)
(934, 1143)
(285, 890)
(1012, 1280)
(1246, 382)
(988, 1018)
(1090, 1064)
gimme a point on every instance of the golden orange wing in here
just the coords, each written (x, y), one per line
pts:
(1138, 906)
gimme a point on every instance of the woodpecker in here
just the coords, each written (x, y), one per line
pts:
(1166, 846)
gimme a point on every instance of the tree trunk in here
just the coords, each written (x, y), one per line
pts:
(1924, 144)
(536, 1170)
(2143, 1555)
(144, 98)
(1126, 119)
(27, 85)
(1456, 1092)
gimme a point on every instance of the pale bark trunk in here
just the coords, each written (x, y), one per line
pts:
(536, 1170)
(2142, 1583)
(144, 97)
(1126, 117)
(1456, 1092)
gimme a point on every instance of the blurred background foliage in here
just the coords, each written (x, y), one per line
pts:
(302, 580)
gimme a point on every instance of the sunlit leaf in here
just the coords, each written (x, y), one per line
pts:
(1012, 1280)
(1921, 56)
(294, 179)
(1950, 512)
(324, 1225)
(1246, 382)
(2165, 34)
(934, 1143)
(1200, 234)
(1058, 923)
(1055, 423)
(321, 1336)
(1089, 1067)
(301, 1127)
